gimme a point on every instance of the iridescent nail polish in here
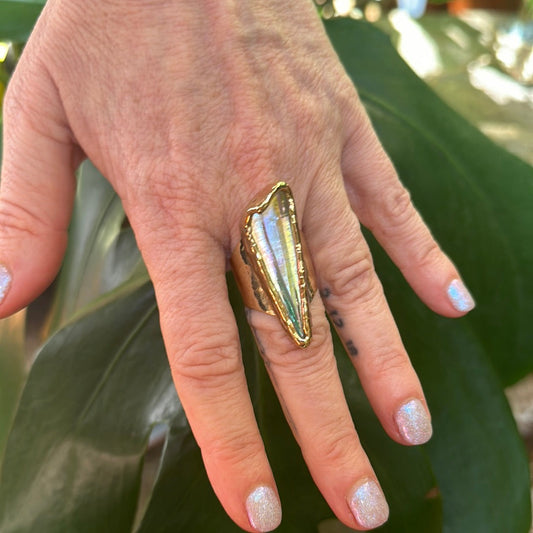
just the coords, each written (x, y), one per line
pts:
(368, 505)
(264, 509)
(413, 422)
(459, 296)
(5, 282)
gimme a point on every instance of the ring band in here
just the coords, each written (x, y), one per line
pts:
(271, 265)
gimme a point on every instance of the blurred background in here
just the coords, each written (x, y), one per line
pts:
(476, 54)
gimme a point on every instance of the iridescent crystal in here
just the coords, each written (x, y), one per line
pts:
(272, 233)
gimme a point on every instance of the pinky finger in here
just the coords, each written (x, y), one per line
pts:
(383, 205)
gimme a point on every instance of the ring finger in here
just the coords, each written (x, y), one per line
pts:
(306, 380)
(309, 389)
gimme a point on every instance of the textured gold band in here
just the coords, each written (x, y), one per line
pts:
(271, 264)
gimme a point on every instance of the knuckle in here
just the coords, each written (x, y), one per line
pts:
(353, 277)
(17, 219)
(391, 361)
(427, 253)
(286, 358)
(337, 444)
(398, 212)
(17, 111)
(15, 101)
(167, 201)
(360, 132)
(348, 96)
(253, 146)
(30, 102)
(235, 448)
(172, 201)
(211, 363)
(317, 117)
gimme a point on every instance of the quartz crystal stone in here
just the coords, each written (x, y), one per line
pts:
(275, 248)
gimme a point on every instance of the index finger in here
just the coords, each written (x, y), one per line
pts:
(202, 344)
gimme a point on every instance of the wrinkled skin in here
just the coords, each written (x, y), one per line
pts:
(191, 109)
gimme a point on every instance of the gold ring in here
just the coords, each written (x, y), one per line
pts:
(271, 264)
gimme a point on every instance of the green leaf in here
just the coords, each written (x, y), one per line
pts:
(12, 370)
(17, 18)
(477, 199)
(102, 253)
(74, 456)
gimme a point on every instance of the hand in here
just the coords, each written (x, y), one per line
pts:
(190, 110)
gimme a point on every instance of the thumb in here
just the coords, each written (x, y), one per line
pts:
(37, 186)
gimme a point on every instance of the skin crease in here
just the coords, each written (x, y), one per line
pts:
(191, 109)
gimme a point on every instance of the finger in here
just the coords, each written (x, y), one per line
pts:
(384, 206)
(309, 389)
(356, 304)
(202, 344)
(37, 187)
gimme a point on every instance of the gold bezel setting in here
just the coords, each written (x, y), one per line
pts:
(272, 247)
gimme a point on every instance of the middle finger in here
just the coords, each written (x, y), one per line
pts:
(356, 303)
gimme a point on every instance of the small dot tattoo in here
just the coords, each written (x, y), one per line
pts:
(352, 350)
(336, 319)
(325, 293)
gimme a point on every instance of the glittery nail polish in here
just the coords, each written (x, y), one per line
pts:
(264, 509)
(5, 282)
(413, 422)
(459, 296)
(368, 505)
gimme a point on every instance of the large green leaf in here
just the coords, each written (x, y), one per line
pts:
(17, 18)
(12, 370)
(75, 453)
(102, 253)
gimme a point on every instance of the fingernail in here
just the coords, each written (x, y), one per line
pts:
(459, 296)
(414, 423)
(264, 509)
(368, 505)
(5, 282)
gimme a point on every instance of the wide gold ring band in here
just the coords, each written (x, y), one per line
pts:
(271, 265)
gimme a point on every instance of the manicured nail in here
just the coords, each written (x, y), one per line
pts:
(414, 423)
(5, 282)
(264, 509)
(368, 505)
(460, 297)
